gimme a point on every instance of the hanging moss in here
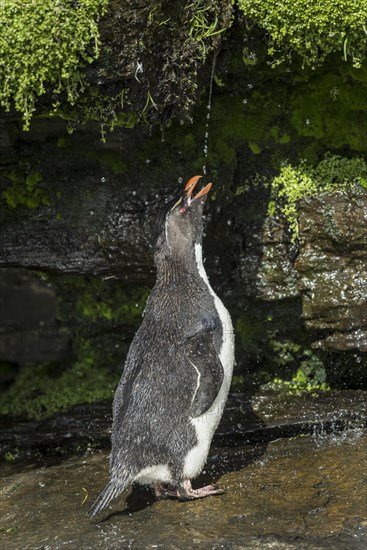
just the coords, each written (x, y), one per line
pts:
(311, 29)
(45, 45)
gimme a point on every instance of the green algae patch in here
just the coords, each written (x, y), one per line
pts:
(311, 29)
(92, 299)
(310, 378)
(45, 45)
(333, 173)
(41, 391)
(111, 160)
(25, 190)
(332, 108)
(100, 318)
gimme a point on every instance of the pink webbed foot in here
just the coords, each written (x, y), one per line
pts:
(186, 492)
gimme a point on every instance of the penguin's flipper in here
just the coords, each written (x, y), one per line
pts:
(202, 357)
(111, 491)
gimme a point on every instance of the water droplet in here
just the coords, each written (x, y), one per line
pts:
(250, 86)
(91, 213)
(147, 161)
(204, 170)
(307, 121)
(208, 116)
(103, 179)
(180, 180)
(134, 193)
(244, 101)
(229, 222)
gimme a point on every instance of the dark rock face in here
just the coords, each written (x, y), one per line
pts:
(28, 325)
(152, 47)
(103, 210)
(93, 222)
(332, 268)
(71, 205)
(329, 272)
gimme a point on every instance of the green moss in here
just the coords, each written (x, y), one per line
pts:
(285, 352)
(9, 456)
(204, 25)
(310, 376)
(39, 391)
(239, 383)
(96, 300)
(331, 109)
(255, 148)
(237, 123)
(25, 190)
(110, 159)
(280, 138)
(61, 142)
(100, 318)
(334, 173)
(310, 28)
(104, 109)
(45, 45)
(250, 332)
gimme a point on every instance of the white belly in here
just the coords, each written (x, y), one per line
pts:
(152, 474)
(206, 424)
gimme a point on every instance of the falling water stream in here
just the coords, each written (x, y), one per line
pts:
(208, 107)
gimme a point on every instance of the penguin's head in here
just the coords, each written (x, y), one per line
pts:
(183, 226)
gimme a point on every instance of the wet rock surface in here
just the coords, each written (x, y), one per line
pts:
(331, 268)
(257, 419)
(291, 492)
(327, 270)
(33, 337)
(277, 277)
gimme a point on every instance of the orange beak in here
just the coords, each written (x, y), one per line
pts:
(190, 186)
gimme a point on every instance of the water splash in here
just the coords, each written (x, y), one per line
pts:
(208, 107)
(338, 430)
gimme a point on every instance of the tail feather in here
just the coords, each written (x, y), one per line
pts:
(112, 490)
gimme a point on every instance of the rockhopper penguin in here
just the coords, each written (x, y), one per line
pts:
(178, 370)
